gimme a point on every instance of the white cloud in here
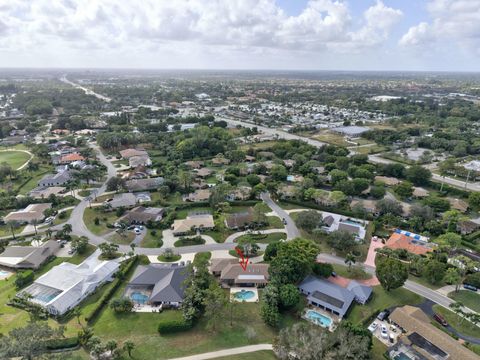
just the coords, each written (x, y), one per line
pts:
(96, 24)
(453, 22)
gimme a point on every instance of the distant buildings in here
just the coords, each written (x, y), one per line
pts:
(351, 131)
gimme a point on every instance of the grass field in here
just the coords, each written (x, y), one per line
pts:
(468, 298)
(263, 238)
(14, 158)
(381, 300)
(378, 349)
(257, 355)
(463, 326)
(152, 241)
(101, 229)
(356, 272)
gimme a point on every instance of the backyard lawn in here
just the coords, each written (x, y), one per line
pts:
(151, 345)
(378, 349)
(381, 300)
(14, 158)
(468, 298)
(263, 238)
(152, 241)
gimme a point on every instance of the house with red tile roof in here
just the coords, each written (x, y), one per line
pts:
(69, 158)
(401, 240)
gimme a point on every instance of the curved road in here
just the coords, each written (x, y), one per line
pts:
(292, 230)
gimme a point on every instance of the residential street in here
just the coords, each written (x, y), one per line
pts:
(227, 352)
(292, 230)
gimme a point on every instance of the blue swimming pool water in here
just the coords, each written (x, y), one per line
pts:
(139, 298)
(244, 295)
(4, 273)
(318, 318)
(45, 298)
(402, 356)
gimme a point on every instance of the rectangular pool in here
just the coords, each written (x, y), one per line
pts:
(318, 318)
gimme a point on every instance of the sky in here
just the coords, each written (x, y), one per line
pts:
(423, 35)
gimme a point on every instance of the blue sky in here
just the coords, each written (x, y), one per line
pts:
(242, 34)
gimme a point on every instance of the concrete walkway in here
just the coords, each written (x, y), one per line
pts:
(227, 352)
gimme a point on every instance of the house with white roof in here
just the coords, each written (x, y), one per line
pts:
(66, 285)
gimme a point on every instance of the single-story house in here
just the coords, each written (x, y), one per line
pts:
(142, 215)
(289, 163)
(467, 227)
(370, 206)
(220, 161)
(351, 131)
(192, 223)
(128, 153)
(239, 220)
(28, 257)
(162, 284)
(287, 191)
(240, 193)
(43, 192)
(66, 285)
(458, 204)
(33, 212)
(136, 161)
(427, 339)
(58, 179)
(144, 184)
(413, 243)
(419, 192)
(232, 274)
(70, 158)
(334, 222)
(199, 195)
(125, 200)
(192, 164)
(332, 297)
(203, 172)
(389, 181)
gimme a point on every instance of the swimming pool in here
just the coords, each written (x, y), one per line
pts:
(402, 356)
(4, 273)
(45, 298)
(318, 318)
(244, 295)
(139, 298)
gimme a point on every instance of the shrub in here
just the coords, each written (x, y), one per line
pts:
(62, 343)
(473, 279)
(322, 269)
(24, 277)
(173, 326)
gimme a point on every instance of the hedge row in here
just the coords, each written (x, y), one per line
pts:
(206, 204)
(311, 205)
(173, 326)
(449, 189)
(105, 299)
(65, 343)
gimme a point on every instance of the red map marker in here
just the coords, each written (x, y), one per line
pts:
(244, 258)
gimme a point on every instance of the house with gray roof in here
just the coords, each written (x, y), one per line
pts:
(332, 297)
(28, 257)
(144, 184)
(362, 292)
(142, 215)
(58, 179)
(125, 200)
(158, 284)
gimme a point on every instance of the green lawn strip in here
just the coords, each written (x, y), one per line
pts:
(263, 238)
(84, 193)
(355, 272)
(381, 300)
(151, 345)
(14, 158)
(423, 281)
(257, 355)
(105, 217)
(202, 255)
(468, 298)
(29, 180)
(120, 239)
(463, 326)
(6, 231)
(58, 221)
(189, 242)
(378, 349)
(169, 259)
(235, 254)
(152, 241)
(274, 222)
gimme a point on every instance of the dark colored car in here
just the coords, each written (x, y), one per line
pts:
(440, 319)
(470, 287)
(383, 315)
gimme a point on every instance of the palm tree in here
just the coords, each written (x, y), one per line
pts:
(49, 233)
(128, 346)
(13, 225)
(34, 223)
(67, 229)
(77, 313)
(349, 260)
(457, 309)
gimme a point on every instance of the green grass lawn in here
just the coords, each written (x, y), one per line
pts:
(263, 238)
(423, 281)
(124, 239)
(189, 242)
(84, 193)
(58, 221)
(105, 217)
(257, 355)
(141, 328)
(463, 326)
(381, 300)
(169, 259)
(14, 158)
(29, 180)
(235, 254)
(274, 222)
(355, 272)
(378, 349)
(468, 298)
(152, 241)
(6, 231)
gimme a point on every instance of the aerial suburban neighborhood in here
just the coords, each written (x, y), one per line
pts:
(158, 214)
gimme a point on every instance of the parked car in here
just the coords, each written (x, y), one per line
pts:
(284, 221)
(384, 332)
(383, 315)
(140, 227)
(137, 231)
(131, 227)
(334, 274)
(373, 326)
(49, 219)
(71, 251)
(470, 287)
(440, 319)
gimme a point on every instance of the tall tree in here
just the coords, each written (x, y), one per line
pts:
(391, 273)
(215, 302)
